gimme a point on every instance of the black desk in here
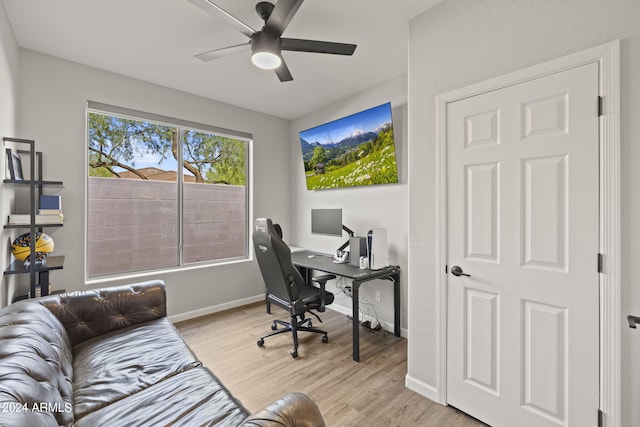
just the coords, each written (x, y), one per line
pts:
(324, 262)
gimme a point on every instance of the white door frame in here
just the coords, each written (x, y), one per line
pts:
(608, 58)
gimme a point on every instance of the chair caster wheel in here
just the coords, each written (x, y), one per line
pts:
(260, 342)
(325, 339)
(274, 327)
(294, 353)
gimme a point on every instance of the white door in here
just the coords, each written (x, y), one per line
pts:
(523, 215)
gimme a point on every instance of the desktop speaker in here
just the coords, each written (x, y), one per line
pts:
(377, 248)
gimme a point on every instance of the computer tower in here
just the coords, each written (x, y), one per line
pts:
(357, 248)
(377, 248)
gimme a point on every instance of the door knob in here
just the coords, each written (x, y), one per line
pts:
(457, 271)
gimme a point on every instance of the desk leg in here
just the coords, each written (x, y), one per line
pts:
(355, 293)
(396, 304)
(306, 273)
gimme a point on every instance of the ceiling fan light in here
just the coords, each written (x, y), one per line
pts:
(266, 60)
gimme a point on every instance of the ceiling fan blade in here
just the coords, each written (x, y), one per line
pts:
(316, 46)
(213, 9)
(281, 16)
(283, 72)
(225, 51)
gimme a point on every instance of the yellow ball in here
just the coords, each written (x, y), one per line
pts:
(21, 247)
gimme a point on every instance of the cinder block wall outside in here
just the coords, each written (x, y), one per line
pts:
(132, 224)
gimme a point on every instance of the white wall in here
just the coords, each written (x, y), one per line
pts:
(8, 76)
(52, 103)
(461, 42)
(8, 106)
(363, 208)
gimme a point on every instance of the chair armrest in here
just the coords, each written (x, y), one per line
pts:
(322, 281)
(86, 314)
(292, 410)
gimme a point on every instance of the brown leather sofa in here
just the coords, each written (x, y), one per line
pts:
(111, 357)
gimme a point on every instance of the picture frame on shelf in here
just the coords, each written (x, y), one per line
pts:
(9, 174)
(15, 166)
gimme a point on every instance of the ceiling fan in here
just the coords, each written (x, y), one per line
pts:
(267, 44)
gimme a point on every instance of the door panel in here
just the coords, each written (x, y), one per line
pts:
(481, 232)
(481, 340)
(545, 117)
(482, 128)
(522, 206)
(544, 207)
(545, 359)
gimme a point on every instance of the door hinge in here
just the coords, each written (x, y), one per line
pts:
(600, 417)
(600, 106)
(600, 263)
(446, 269)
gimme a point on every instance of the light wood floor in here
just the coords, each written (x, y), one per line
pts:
(370, 393)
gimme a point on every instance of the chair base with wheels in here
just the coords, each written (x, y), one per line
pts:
(294, 326)
(297, 323)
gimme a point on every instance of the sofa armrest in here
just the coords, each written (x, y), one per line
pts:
(292, 410)
(86, 314)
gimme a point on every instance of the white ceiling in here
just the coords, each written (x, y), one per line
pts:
(156, 40)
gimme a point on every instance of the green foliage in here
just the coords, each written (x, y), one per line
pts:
(319, 156)
(339, 156)
(230, 165)
(115, 143)
(375, 163)
(214, 158)
(100, 171)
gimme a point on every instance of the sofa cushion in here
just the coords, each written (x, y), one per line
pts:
(35, 367)
(87, 314)
(191, 398)
(112, 366)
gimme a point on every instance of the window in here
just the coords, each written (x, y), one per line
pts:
(162, 193)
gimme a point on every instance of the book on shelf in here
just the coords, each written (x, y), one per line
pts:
(49, 212)
(25, 219)
(51, 202)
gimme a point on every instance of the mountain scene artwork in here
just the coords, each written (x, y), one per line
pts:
(352, 151)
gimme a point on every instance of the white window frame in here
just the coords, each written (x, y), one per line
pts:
(106, 109)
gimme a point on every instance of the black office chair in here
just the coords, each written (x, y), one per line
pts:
(285, 285)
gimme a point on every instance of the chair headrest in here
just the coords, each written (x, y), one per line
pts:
(265, 225)
(262, 225)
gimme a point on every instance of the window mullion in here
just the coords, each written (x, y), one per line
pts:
(180, 183)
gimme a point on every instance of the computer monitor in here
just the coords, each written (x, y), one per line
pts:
(327, 222)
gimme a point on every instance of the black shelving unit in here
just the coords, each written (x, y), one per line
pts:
(38, 273)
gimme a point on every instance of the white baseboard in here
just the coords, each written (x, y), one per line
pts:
(420, 387)
(180, 317)
(385, 325)
(215, 308)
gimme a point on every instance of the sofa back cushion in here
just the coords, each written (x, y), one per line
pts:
(87, 314)
(36, 367)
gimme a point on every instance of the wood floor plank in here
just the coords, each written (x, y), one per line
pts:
(370, 393)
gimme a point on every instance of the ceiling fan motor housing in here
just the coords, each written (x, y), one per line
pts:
(263, 41)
